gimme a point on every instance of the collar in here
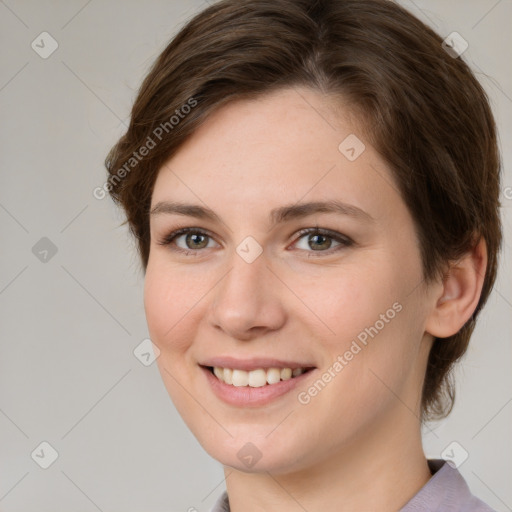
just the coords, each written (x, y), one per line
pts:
(446, 491)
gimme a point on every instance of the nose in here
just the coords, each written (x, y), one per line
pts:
(247, 301)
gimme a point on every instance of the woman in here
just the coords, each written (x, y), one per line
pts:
(313, 185)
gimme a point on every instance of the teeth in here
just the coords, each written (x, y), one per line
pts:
(286, 373)
(273, 375)
(255, 378)
(240, 378)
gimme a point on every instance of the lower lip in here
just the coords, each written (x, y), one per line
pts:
(248, 396)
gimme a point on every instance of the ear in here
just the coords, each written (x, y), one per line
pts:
(460, 293)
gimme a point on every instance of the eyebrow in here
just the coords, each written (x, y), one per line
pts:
(276, 216)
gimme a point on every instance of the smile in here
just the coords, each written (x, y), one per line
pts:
(255, 387)
(256, 378)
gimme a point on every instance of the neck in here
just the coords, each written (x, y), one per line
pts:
(371, 474)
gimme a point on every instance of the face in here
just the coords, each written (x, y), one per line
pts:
(263, 279)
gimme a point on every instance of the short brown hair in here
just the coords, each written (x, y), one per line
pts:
(422, 108)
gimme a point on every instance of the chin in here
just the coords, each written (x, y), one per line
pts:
(257, 454)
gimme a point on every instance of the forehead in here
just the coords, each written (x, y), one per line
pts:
(288, 146)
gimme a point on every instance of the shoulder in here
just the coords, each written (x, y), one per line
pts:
(447, 491)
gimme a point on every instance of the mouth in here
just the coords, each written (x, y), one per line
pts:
(257, 387)
(254, 382)
(256, 378)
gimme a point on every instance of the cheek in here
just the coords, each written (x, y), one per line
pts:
(169, 300)
(347, 300)
(372, 326)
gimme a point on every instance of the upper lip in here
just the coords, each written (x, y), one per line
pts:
(253, 363)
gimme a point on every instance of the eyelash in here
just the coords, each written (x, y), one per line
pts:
(344, 241)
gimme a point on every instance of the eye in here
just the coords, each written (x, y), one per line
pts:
(321, 241)
(191, 240)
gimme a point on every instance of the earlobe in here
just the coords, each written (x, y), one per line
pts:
(460, 293)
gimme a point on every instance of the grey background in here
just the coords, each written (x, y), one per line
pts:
(68, 375)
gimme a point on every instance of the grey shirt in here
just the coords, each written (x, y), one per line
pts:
(446, 491)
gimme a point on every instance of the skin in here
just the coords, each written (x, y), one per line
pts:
(357, 444)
